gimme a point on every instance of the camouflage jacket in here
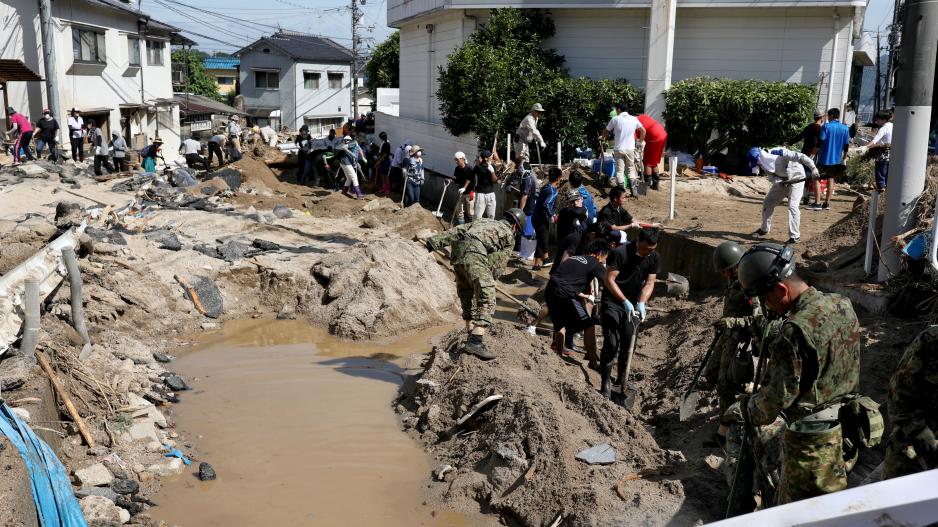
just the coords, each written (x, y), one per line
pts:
(742, 312)
(491, 239)
(813, 359)
(913, 390)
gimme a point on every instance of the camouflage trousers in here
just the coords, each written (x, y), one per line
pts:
(718, 369)
(761, 472)
(475, 285)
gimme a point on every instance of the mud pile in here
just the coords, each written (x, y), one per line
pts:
(845, 238)
(517, 458)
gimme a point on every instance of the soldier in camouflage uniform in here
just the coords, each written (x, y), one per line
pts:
(480, 252)
(813, 363)
(913, 405)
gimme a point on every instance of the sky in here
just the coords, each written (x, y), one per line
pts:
(247, 21)
(228, 25)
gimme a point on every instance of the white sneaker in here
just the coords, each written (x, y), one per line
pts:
(531, 330)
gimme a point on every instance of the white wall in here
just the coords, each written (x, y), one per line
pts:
(779, 44)
(84, 86)
(323, 102)
(439, 146)
(603, 43)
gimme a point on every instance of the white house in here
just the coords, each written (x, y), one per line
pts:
(292, 79)
(649, 43)
(113, 64)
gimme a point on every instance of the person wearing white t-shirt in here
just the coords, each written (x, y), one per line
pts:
(623, 127)
(879, 147)
(76, 135)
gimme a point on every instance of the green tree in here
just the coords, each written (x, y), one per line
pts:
(490, 83)
(199, 81)
(384, 68)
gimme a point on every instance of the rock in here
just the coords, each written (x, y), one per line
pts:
(96, 475)
(125, 486)
(141, 430)
(265, 245)
(175, 383)
(282, 212)
(232, 251)
(131, 506)
(509, 455)
(714, 462)
(14, 370)
(124, 515)
(154, 446)
(602, 454)
(104, 492)
(32, 170)
(208, 325)
(371, 222)
(206, 472)
(162, 357)
(98, 450)
(441, 470)
(286, 313)
(167, 467)
(230, 176)
(165, 240)
(380, 203)
(106, 248)
(209, 295)
(22, 413)
(106, 236)
(100, 510)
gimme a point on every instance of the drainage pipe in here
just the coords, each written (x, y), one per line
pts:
(871, 234)
(933, 251)
(78, 309)
(31, 319)
(673, 185)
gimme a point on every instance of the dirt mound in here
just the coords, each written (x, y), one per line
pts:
(384, 288)
(844, 236)
(518, 457)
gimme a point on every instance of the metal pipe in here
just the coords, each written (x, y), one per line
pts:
(30, 319)
(78, 309)
(871, 234)
(559, 158)
(48, 61)
(673, 168)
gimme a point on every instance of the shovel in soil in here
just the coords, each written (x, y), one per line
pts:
(692, 396)
(677, 285)
(439, 205)
(629, 392)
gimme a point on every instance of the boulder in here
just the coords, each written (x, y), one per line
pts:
(96, 475)
(167, 467)
(100, 510)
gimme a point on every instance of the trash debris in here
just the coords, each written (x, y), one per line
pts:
(174, 452)
(602, 454)
(441, 471)
(478, 407)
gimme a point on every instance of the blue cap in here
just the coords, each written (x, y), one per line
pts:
(755, 154)
(485, 153)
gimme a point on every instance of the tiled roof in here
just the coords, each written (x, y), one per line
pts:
(221, 63)
(304, 47)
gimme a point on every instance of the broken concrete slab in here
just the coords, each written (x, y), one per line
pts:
(602, 454)
(209, 295)
(96, 475)
(104, 492)
(32, 170)
(101, 511)
(168, 467)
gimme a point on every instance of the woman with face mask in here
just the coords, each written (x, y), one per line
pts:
(47, 129)
(415, 176)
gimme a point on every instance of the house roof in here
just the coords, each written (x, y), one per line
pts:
(15, 70)
(221, 63)
(153, 26)
(193, 104)
(300, 46)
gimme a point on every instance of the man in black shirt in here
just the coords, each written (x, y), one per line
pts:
(568, 286)
(571, 218)
(811, 136)
(465, 186)
(485, 180)
(613, 216)
(630, 278)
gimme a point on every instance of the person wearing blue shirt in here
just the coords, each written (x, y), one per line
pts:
(544, 215)
(832, 156)
(576, 183)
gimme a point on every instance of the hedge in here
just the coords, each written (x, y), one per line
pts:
(745, 113)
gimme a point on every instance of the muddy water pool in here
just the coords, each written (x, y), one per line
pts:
(299, 427)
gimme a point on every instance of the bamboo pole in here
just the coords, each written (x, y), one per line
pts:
(60, 390)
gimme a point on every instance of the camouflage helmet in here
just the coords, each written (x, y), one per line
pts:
(515, 217)
(727, 255)
(765, 265)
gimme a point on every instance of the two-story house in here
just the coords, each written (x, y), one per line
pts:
(224, 71)
(113, 64)
(291, 79)
(652, 43)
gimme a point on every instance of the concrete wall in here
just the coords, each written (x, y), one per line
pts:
(439, 146)
(255, 97)
(86, 86)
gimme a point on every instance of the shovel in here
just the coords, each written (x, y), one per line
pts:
(677, 285)
(692, 397)
(628, 392)
(437, 212)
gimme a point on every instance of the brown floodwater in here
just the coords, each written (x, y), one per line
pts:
(299, 427)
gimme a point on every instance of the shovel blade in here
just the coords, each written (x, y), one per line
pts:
(689, 406)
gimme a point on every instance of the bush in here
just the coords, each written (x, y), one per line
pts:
(745, 113)
(490, 83)
(384, 68)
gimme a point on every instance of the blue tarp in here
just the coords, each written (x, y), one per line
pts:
(55, 502)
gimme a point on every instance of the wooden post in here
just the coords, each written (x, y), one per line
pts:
(60, 391)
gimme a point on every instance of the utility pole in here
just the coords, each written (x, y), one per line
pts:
(48, 62)
(877, 93)
(356, 18)
(892, 42)
(914, 86)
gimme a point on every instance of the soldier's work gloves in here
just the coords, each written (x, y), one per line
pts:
(629, 308)
(641, 311)
(725, 323)
(738, 412)
(431, 245)
(926, 446)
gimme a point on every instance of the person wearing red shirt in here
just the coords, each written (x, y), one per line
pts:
(20, 125)
(655, 139)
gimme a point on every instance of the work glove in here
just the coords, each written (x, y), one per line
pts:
(430, 245)
(815, 174)
(629, 308)
(543, 145)
(926, 446)
(591, 299)
(461, 190)
(640, 307)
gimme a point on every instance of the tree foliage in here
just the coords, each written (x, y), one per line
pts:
(384, 68)
(490, 83)
(200, 82)
(744, 113)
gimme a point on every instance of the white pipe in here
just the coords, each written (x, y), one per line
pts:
(508, 142)
(559, 163)
(830, 82)
(673, 168)
(871, 234)
(933, 252)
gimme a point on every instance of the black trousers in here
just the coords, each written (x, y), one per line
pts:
(78, 150)
(214, 150)
(617, 333)
(195, 159)
(120, 163)
(541, 233)
(99, 161)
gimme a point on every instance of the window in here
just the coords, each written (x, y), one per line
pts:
(266, 80)
(178, 76)
(310, 80)
(226, 81)
(335, 81)
(133, 51)
(88, 45)
(155, 52)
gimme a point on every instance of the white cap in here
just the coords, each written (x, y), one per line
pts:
(459, 155)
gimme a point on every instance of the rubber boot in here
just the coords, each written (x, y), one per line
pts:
(655, 179)
(345, 192)
(475, 346)
(358, 192)
(605, 372)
